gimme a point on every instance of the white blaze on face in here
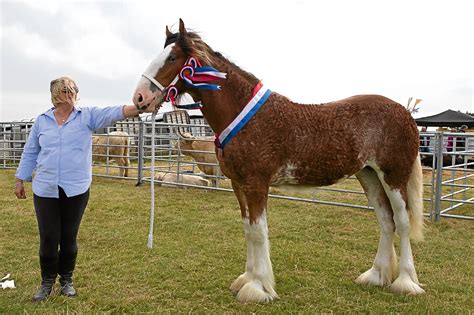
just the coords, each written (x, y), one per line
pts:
(145, 88)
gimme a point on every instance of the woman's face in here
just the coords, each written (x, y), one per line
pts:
(64, 92)
(69, 95)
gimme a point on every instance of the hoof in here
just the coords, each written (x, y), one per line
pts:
(405, 285)
(376, 277)
(254, 292)
(238, 283)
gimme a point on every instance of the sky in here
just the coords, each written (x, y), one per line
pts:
(310, 51)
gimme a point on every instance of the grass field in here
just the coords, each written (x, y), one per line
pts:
(317, 252)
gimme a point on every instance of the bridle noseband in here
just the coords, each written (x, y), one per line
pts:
(156, 83)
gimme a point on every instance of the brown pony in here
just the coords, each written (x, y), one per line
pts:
(370, 136)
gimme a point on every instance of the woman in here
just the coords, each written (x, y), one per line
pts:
(59, 147)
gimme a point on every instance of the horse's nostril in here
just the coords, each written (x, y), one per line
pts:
(140, 98)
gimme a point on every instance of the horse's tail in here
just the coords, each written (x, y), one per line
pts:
(415, 201)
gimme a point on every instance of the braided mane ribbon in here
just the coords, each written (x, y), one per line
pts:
(193, 72)
(196, 76)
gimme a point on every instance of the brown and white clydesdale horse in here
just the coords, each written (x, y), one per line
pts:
(370, 136)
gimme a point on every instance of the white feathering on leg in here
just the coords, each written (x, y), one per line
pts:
(260, 287)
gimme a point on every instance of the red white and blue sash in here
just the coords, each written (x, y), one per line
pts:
(260, 94)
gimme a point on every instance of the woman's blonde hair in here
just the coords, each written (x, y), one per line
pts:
(61, 89)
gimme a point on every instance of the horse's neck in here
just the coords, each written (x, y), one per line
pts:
(220, 108)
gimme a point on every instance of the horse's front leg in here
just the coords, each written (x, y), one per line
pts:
(257, 283)
(247, 275)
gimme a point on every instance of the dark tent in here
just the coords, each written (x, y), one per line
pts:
(449, 118)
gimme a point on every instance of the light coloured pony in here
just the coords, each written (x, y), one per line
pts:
(370, 136)
(201, 149)
(113, 146)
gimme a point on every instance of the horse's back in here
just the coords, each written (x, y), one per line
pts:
(367, 99)
(359, 107)
(360, 116)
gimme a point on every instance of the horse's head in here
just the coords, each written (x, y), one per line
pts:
(176, 69)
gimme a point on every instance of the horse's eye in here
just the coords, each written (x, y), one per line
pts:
(171, 58)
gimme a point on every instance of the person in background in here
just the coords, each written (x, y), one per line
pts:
(59, 149)
(450, 144)
(424, 141)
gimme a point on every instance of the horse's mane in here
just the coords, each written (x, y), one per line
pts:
(193, 45)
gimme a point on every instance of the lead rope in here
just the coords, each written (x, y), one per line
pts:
(152, 182)
(191, 72)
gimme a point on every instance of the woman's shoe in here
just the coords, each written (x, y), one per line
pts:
(67, 289)
(44, 292)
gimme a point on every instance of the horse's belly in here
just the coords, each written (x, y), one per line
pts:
(292, 174)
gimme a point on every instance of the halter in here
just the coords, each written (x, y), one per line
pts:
(194, 75)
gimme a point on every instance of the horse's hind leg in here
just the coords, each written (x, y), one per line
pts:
(257, 283)
(127, 166)
(124, 165)
(385, 263)
(407, 281)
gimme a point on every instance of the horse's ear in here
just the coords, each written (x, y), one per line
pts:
(182, 28)
(168, 33)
